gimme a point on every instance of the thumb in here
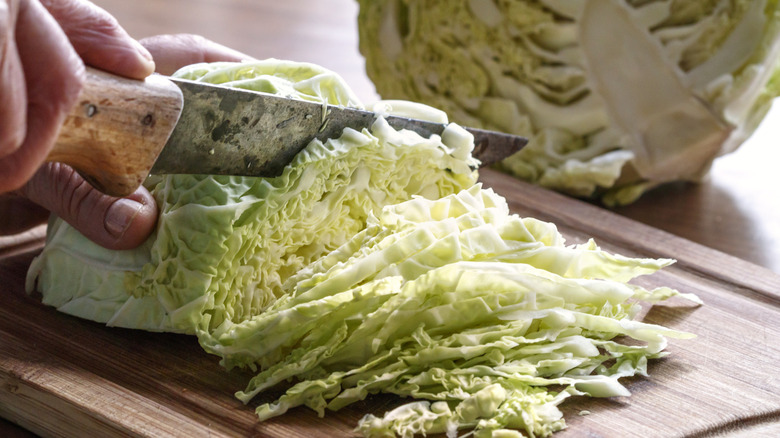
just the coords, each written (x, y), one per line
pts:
(114, 223)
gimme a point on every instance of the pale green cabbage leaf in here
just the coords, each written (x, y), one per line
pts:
(616, 96)
(374, 263)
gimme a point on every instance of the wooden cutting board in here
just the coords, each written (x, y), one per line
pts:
(61, 376)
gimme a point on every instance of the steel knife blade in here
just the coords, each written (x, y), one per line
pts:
(230, 131)
(120, 127)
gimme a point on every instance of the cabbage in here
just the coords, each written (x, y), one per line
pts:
(456, 301)
(374, 263)
(616, 96)
(225, 245)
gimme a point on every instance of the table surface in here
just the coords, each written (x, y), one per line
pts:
(736, 210)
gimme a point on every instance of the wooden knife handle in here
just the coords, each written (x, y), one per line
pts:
(117, 128)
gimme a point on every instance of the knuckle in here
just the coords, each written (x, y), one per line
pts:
(76, 195)
(83, 21)
(60, 189)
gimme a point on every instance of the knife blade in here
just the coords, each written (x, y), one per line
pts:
(122, 130)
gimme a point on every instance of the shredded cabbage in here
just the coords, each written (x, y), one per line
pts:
(459, 302)
(374, 263)
(616, 96)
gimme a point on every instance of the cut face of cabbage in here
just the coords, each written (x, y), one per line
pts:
(616, 96)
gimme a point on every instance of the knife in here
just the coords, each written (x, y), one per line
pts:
(121, 130)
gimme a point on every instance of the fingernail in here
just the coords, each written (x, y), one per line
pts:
(120, 215)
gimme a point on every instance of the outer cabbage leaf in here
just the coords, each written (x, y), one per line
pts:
(616, 96)
(224, 246)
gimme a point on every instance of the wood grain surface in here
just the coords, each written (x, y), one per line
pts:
(66, 377)
(60, 376)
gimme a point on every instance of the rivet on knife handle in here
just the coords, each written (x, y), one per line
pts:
(116, 130)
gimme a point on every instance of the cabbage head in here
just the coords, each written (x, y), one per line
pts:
(616, 96)
(225, 245)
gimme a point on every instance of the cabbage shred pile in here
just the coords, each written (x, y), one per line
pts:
(459, 302)
(374, 264)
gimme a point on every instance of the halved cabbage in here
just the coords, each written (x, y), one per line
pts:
(616, 96)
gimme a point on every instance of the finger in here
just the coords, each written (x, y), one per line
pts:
(54, 75)
(13, 94)
(99, 39)
(115, 223)
(172, 52)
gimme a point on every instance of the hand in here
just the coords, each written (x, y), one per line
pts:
(43, 48)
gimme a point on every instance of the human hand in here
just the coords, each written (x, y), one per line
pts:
(44, 46)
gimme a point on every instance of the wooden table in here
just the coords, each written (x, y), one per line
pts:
(736, 211)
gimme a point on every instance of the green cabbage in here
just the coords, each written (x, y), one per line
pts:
(457, 301)
(225, 245)
(374, 263)
(616, 96)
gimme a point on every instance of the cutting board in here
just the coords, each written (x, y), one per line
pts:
(61, 376)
